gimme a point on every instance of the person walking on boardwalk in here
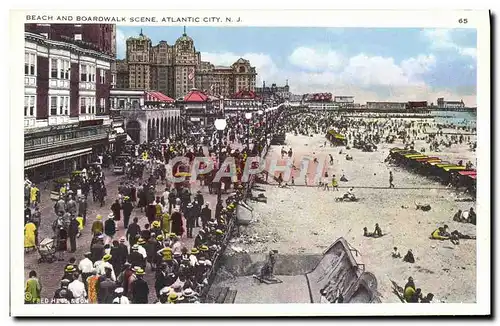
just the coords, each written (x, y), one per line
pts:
(127, 211)
(33, 289)
(391, 180)
(140, 288)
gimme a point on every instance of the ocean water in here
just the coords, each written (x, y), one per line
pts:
(461, 118)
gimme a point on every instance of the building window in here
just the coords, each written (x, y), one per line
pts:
(63, 105)
(87, 105)
(83, 107)
(78, 37)
(53, 105)
(64, 69)
(29, 106)
(92, 74)
(102, 76)
(65, 109)
(53, 68)
(102, 105)
(83, 72)
(29, 63)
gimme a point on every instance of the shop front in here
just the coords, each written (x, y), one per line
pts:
(54, 151)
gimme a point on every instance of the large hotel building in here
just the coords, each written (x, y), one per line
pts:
(176, 69)
(68, 75)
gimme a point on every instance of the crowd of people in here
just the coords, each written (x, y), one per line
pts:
(113, 270)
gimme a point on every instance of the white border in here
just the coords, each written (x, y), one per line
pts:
(395, 18)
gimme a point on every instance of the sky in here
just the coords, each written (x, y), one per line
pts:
(371, 64)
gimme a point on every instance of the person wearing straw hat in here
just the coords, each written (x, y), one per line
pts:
(193, 257)
(69, 270)
(97, 226)
(127, 210)
(165, 223)
(109, 228)
(141, 247)
(122, 251)
(190, 215)
(131, 280)
(189, 295)
(156, 227)
(140, 288)
(107, 264)
(163, 295)
(63, 294)
(199, 200)
(120, 298)
(203, 251)
(172, 298)
(135, 258)
(219, 236)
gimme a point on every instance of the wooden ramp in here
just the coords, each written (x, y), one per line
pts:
(221, 295)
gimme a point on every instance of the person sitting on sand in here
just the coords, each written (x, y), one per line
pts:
(460, 235)
(343, 178)
(366, 233)
(378, 231)
(395, 253)
(416, 296)
(472, 216)
(350, 195)
(409, 258)
(409, 289)
(458, 216)
(424, 208)
(446, 231)
(438, 234)
(348, 157)
(428, 298)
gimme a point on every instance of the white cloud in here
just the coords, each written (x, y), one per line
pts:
(442, 39)
(471, 52)
(312, 59)
(368, 78)
(439, 38)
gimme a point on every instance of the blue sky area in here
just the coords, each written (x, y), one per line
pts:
(369, 63)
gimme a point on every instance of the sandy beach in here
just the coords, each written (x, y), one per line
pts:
(307, 219)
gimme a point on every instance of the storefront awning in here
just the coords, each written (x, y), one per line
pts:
(38, 161)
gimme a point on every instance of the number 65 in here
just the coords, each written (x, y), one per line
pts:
(463, 21)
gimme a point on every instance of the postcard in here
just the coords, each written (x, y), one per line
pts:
(284, 165)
